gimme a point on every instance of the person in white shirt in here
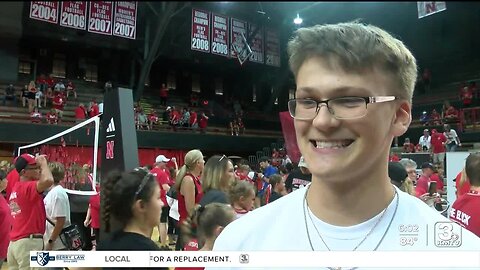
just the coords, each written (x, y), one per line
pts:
(57, 208)
(425, 140)
(355, 85)
(453, 141)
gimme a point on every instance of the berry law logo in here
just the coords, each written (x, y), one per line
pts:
(42, 258)
(447, 234)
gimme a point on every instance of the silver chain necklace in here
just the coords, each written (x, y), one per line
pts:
(305, 206)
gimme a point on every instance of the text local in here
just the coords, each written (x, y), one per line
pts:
(200, 259)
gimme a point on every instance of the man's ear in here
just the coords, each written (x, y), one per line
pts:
(402, 119)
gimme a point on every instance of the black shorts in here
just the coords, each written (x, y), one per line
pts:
(164, 215)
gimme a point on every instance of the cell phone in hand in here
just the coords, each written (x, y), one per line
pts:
(432, 187)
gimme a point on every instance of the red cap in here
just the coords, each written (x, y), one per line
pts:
(24, 160)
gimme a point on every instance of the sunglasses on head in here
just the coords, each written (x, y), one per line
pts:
(144, 181)
(222, 158)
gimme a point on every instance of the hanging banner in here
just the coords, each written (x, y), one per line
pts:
(429, 8)
(220, 33)
(125, 19)
(256, 44)
(272, 48)
(288, 129)
(73, 14)
(200, 31)
(238, 27)
(44, 11)
(100, 17)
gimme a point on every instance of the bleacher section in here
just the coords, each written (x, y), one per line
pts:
(88, 91)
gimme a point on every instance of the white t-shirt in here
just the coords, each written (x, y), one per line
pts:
(452, 136)
(56, 205)
(285, 216)
(425, 141)
(173, 203)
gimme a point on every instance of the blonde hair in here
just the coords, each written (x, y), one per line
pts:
(407, 186)
(206, 219)
(356, 47)
(58, 171)
(214, 173)
(240, 189)
(191, 159)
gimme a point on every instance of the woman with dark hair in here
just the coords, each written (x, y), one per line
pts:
(133, 199)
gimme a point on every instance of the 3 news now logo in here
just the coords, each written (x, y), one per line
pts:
(43, 258)
(448, 234)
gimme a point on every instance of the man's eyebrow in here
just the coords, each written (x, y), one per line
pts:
(344, 90)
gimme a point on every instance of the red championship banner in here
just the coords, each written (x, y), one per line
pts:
(429, 8)
(100, 17)
(200, 30)
(288, 129)
(44, 11)
(272, 48)
(220, 33)
(238, 27)
(73, 14)
(125, 19)
(256, 44)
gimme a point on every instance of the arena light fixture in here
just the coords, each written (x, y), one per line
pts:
(298, 20)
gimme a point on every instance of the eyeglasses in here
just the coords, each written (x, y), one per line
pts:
(340, 108)
(143, 183)
(222, 158)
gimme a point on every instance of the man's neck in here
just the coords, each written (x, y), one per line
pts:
(349, 204)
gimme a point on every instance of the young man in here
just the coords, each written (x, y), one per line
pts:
(465, 209)
(266, 168)
(28, 210)
(354, 90)
(438, 149)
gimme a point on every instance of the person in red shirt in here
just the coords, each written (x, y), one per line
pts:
(465, 210)
(393, 157)
(209, 222)
(189, 188)
(80, 113)
(438, 148)
(163, 178)
(163, 95)
(174, 118)
(93, 218)
(152, 119)
(466, 95)
(435, 118)
(462, 183)
(426, 76)
(93, 109)
(58, 104)
(5, 219)
(203, 122)
(36, 116)
(422, 183)
(451, 115)
(408, 147)
(193, 123)
(28, 209)
(71, 88)
(52, 117)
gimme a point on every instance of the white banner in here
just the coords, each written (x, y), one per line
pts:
(246, 259)
(429, 8)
